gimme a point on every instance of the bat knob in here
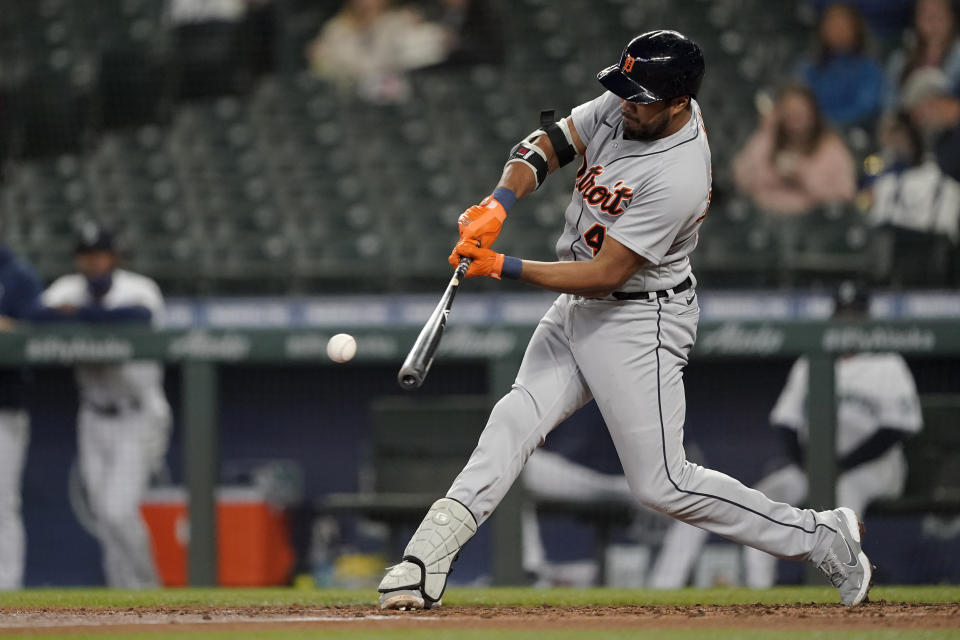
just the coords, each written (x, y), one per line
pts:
(409, 381)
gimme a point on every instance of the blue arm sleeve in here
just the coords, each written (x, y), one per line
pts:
(131, 313)
(874, 447)
(41, 314)
(23, 296)
(92, 314)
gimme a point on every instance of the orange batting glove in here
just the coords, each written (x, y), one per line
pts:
(482, 222)
(485, 262)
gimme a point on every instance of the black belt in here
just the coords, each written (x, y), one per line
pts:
(651, 295)
(113, 409)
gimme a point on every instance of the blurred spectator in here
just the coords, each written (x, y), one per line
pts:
(936, 112)
(848, 83)
(19, 294)
(369, 46)
(933, 44)
(916, 207)
(794, 162)
(221, 44)
(947, 145)
(260, 26)
(123, 423)
(475, 33)
(912, 192)
(885, 17)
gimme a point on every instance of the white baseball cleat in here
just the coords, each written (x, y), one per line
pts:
(846, 565)
(400, 589)
(419, 581)
(411, 600)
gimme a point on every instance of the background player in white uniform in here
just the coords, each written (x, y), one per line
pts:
(578, 464)
(124, 420)
(552, 476)
(622, 329)
(19, 295)
(877, 408)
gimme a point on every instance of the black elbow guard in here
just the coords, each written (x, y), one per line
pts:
(560, 137)
(531, 155)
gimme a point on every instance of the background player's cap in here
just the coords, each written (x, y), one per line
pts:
(851, 299)
(657, 65)
(94, 237)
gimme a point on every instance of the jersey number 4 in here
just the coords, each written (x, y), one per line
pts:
(594, 237)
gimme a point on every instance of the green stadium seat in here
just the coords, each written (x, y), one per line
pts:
(297, 148)
(411, 451)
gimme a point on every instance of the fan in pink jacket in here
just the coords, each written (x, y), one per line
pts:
(793, 162)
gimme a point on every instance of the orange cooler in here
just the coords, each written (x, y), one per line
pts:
(253, 537)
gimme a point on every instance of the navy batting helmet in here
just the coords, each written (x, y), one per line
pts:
(657, 65)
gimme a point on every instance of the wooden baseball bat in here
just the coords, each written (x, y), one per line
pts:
(417, 364)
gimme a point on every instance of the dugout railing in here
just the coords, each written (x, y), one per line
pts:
(201, 352)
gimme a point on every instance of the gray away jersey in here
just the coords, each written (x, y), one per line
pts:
(649, 196)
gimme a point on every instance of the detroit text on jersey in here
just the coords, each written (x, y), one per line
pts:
(611, 200)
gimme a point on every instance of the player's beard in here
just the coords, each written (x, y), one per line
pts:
(647, 131)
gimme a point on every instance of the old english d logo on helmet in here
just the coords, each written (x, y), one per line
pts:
(657, 65)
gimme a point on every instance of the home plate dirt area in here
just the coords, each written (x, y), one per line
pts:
(873, 615)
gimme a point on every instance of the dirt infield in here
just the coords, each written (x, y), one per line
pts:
(875, 615)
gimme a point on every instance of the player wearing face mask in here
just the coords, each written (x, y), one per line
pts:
(123, 423)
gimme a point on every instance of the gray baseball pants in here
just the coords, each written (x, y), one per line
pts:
(629, 356)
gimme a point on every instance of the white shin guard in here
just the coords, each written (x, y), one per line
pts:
(447, 526)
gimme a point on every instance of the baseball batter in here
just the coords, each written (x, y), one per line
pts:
(877, 409)
(124, 420)
(620, 331)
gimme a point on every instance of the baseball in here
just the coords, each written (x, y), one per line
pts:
(341, 347)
